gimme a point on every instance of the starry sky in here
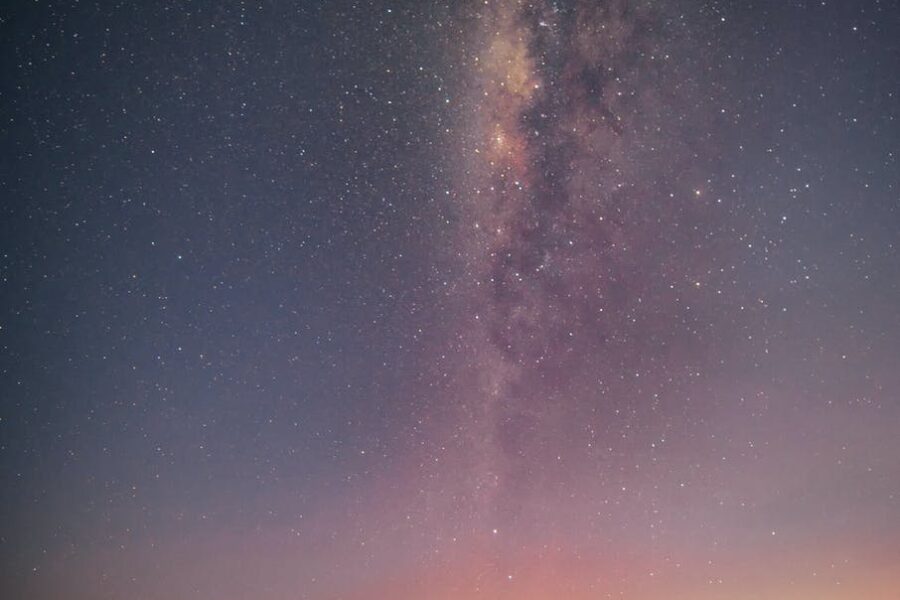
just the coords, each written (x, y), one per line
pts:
(494, 299)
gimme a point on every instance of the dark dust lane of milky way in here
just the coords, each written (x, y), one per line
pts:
(496, 299)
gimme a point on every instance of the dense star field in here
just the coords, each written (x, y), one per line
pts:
(495, 299)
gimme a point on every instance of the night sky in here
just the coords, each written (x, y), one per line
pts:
(494, 299)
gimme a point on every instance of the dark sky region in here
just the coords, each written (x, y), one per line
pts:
(496, 299)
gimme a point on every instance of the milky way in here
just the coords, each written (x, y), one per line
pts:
(500, 300)
(570, 147)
